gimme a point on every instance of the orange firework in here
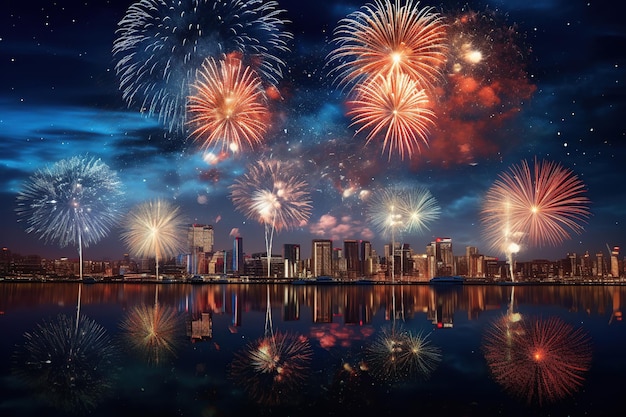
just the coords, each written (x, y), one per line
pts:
(396, 106)
(538, 360)
(227, 106)
(385, 38)
(539, 205)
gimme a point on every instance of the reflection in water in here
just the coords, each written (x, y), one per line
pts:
(152, 330)
(68, 362)
(539, 360)
(397, 355)
(273, 368)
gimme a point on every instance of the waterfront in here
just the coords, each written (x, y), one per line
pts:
(194, 350)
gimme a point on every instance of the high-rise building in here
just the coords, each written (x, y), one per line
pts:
(351, 254)
(200, 245)
(238, 261)
(615, 262)
(291, 257)
(440, 257)
(321, 257)
(366, 258)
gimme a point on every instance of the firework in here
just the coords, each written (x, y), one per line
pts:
(386, 38)
(152, 331)
(273, 368)
(538, 360)
(155, 228)
(396, 109)
(227, 106)
(537, 206)
(397, 355)
(272, 195)
(75, 201)
(161, 43)
(402, 209)
(68, 362)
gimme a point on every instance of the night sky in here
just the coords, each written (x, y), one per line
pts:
(554, 69)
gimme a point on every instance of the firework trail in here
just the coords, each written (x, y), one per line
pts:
(386, 38)
(155, 228)
(396, 109)
(274, 368)
(75, 201)
(272, 195)
(398, 355)
(228, 106)
(68, 362)
(541, 360)
(536, 206)
(161, 44)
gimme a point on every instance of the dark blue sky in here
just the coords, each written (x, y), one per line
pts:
(59, 97)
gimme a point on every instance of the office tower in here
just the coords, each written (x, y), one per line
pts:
(351, 254)
(238, 256)
(200, 245)
(615, 262)
(440, 257)
(366, 258)
(291, 257)
(321, 257)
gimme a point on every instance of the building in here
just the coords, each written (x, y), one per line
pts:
(440, 258)
(291, 257)
(238, 261)
(353, 260)
(200, 241)
(321, 257)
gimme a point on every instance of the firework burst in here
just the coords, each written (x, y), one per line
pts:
(273, 368)
(272, 195)
(402, 209)
(387, 38)
(542, 360)
(152, 331)
(155, 228)
(75, 201)
(539, 206)
(396, 109)
(227, 106)
(397, 355)
(161, 43)
(68, 362)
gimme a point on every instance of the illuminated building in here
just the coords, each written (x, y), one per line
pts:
(615, 262)
(440, 258)
(351, 255)
(238, 262)
(200, 246)
(321, 257)
(291, 257)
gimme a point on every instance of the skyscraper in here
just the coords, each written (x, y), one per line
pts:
(238, 261)
(321, 257)
(291, 257)
(440, 257)
(351, 254)
(200, 245)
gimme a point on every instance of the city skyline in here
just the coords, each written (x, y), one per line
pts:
(562, 101)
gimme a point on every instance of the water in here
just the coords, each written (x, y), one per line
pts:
(564, 357)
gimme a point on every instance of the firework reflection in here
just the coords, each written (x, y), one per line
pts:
(542, 360)
(153, 331)
(274, 368)
(398, 355)
(67, 362)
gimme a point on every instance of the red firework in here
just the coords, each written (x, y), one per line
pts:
(386, 38)
(395, 110)
(539, 205)
(227, 106)
(538, 360)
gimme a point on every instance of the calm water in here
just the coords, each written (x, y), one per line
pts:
(217, 350)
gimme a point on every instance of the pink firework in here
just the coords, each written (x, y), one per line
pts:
(386, 38)
(395, 111)
(542, 360)
(227, 106)
(539, 205)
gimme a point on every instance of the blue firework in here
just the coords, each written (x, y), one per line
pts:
(75, 201)
(161, 44)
